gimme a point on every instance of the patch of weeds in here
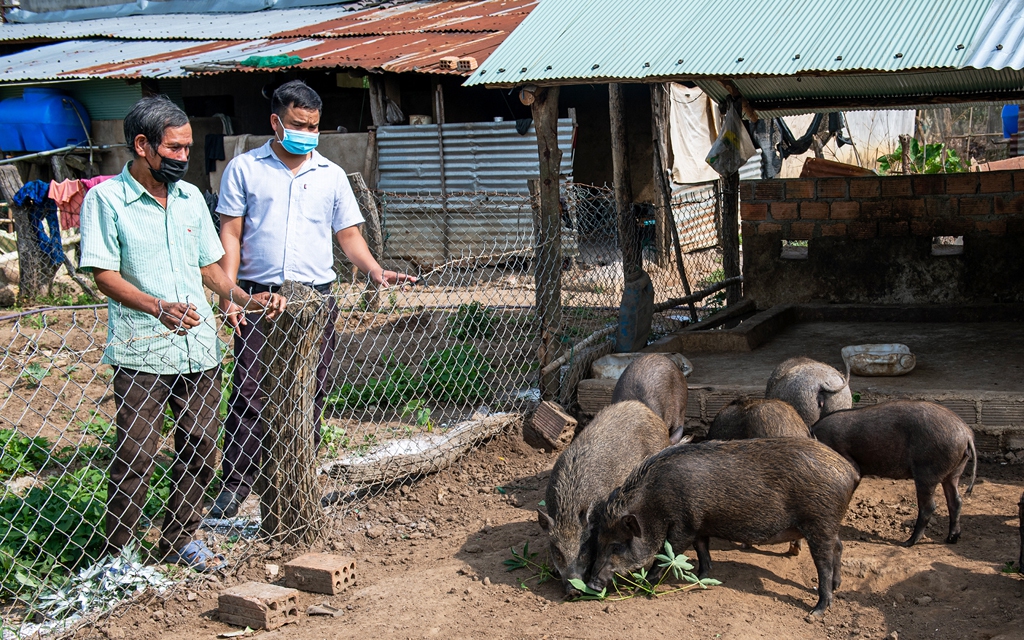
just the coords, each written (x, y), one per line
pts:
(369, 442)
(1008, 567)
(472, 320)
(856, 396)
(457, 375)
(638, 584)
(420, 412)
(397, 387)
(334, 438)
(226, 385)
(66, 298)
(37, 321)
(539, 571)
(20, 454)
(34, 374)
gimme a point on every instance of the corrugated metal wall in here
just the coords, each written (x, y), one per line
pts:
(487, 168)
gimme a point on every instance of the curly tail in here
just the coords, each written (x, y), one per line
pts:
(846, 381)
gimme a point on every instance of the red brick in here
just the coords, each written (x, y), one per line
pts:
(799, 189)
(929, 185)
(896, 186)
(773, 190)
(801, 230)
(321, 572)
(814, 210)
(865, 188)
(996, 181)
(941, 206)
(844, 210)
(863, 229)
(748, 228)
(962, 183)
(1018, 180)
(921, 228)
(1008, 205)
(994, 227)
(876, 209)
(975, 206)
(753, 210)
(888, 228)
(832, 188)
(908, 207)
(783, 211)
(952, 227)
(767, 228)
(838, 229)
(258, 605)
(746, 190)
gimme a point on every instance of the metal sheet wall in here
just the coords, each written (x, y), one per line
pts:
(487, 168)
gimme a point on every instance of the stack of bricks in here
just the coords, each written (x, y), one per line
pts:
(990, 203)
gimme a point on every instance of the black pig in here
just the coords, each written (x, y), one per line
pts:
(620, 437)
(907, 439)
(761, 491)
(657, 382)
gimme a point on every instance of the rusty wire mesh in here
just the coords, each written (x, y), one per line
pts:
(417, 377)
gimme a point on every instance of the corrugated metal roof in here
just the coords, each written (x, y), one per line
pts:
(575, 39)
(478, 16)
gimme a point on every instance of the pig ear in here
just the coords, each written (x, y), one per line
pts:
(633, 524)
(544, 520)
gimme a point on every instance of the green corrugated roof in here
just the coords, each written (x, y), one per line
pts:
(838, 48)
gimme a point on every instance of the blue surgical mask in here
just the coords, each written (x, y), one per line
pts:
(299, 142)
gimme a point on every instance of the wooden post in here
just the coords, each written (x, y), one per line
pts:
(548, 262)
(373, 233)
(370, 163)
(731, 234)
(35, 270)
(905, 149)
(662, 157)
(289, 497)
(631, 262)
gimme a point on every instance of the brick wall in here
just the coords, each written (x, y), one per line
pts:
(869, 239)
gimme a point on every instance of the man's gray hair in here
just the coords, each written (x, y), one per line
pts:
(149, 117)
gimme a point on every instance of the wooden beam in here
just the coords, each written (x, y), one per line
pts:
(731, 234)
(548, 225)
(631, 263)
(662, 172)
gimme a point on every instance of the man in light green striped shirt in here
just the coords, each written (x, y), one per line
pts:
(148, 238)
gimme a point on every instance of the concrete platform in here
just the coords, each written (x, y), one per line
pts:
(975, 368)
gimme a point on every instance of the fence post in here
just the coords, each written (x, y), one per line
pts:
(290, 500)
(631, 263)
(548, 261)
(731, 234)
(372, 232)
(35, 269)
(662, 158)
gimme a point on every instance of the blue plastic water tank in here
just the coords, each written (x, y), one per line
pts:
(40, 120)
(1010, 113)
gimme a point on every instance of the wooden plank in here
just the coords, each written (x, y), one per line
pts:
(731, 234)
(628, 236)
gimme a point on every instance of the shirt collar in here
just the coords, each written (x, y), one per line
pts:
(133, 189)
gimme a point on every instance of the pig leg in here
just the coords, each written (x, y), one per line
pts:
(794, 548)
(700, 545)
(837, 564)
(824, 554)
(953, 504)
(1020, 524)
(925, 510)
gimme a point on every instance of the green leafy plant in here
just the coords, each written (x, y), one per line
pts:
(397, 387)
(37, 321)
(472, 320)
(34, 374)
(420, 412)
(457, 374)
(1008, 567)
(20, 454)
(638, 583)
(539, 571)
(856, 396)
(334, 439)
(923, 159)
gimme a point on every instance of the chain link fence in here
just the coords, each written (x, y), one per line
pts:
(415, 378)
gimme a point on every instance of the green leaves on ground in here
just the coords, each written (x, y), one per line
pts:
(539, 571)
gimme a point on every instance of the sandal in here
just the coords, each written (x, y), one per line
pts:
(199, 557)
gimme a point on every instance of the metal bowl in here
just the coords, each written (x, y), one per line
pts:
(879, 359)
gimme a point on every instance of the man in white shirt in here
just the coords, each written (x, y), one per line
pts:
(279, 206)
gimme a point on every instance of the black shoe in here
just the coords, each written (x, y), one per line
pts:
(225, 506)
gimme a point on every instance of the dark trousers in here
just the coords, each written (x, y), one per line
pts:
(140, 399)
(243, 428)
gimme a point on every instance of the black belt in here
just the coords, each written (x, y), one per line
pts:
(251, 287)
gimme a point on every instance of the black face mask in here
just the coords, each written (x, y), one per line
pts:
(170, 170)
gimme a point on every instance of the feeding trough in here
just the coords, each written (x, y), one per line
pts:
(879, 359)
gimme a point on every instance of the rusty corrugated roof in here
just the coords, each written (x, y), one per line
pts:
(408, 38)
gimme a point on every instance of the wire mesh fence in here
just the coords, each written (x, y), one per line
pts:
(353, 391)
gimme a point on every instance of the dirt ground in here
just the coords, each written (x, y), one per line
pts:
(429, 564)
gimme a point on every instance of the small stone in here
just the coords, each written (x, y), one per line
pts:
(923, 600)
(192, 596)
(900, 598)
(609, 609)
(274, 555)
(473, 548)
(895, 635)
(158, 615)
(272, 570)
(375, 532)
(114, 633)
(468, 591)
(487, 581)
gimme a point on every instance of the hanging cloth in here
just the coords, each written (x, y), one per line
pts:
(33, 196)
